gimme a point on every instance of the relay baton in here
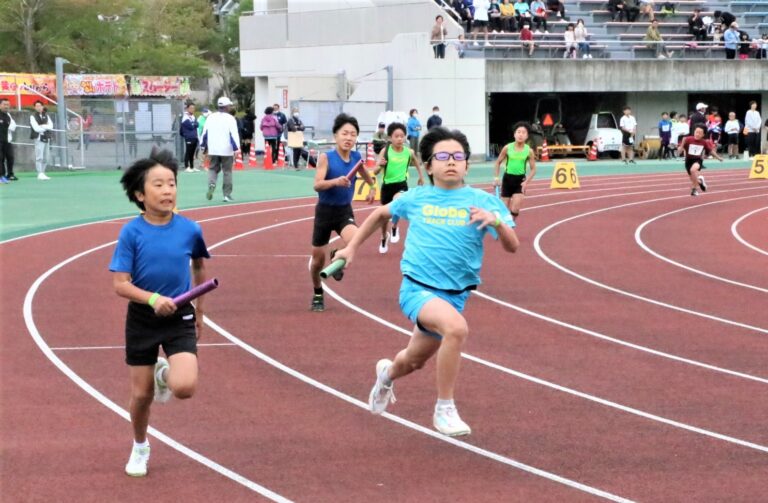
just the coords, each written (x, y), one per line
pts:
(332, 269)
(353, 171)
(196, 292)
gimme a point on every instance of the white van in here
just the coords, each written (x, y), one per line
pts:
(604, 131)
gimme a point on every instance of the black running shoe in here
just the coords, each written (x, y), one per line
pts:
(702, 184)
(318, 303)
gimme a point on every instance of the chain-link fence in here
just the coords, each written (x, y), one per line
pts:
(104, 133)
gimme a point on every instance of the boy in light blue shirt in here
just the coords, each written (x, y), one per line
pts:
(441, 264)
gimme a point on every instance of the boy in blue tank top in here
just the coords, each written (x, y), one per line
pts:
(150, 266)
(335, 191)
(441, 264)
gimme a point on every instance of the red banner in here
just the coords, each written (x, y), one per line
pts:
(26, 84)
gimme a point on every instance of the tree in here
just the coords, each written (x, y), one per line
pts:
(227, 54)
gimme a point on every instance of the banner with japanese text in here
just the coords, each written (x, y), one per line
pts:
(159, 86)
(28, 85)
(95, 85)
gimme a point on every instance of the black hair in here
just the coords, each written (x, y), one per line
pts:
(268, 110)
(394, 127)
(522, 124)
(570, 25)
(435, 136)
(753, 102)
(700, 126)
(626, 107)
(38, 101)
(672, 114)
(2, 99)
(135, 176)
(662, 113)
(438, 17)
(342, 119)
(412, 110)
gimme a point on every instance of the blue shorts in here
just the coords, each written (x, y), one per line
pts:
(414, 296)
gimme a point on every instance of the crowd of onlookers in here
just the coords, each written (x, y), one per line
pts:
(529, 17)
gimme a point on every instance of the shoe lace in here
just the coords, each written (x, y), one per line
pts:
(387, 393)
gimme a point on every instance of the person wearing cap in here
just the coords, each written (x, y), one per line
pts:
(699, 117)
(220, 141)
(380, 138)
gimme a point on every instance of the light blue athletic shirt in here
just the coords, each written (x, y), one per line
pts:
(339, 196)
(157, 256)
(442, 250)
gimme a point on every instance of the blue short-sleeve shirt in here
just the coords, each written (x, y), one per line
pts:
(442, 249)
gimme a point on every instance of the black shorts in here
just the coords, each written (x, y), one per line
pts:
(511, 185)
(733, 139)
(390, 190)
(145, 332)
(330, 219)
(625, 139)
(690, 161)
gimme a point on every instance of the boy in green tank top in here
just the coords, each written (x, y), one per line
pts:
(394, 159)
(516, 154)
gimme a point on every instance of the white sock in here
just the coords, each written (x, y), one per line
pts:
(137, 445)
(384, 377)
(444, 403)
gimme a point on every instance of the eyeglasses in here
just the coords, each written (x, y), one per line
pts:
(444, 156)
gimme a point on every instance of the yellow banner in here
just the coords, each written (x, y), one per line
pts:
(95, 85)
(40, 82)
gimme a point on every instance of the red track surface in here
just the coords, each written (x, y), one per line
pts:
(545, 387)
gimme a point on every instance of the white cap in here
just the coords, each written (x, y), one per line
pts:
(700, 106)
(224, 102)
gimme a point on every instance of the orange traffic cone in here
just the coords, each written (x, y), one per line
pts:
(281, 157)
(252, 161)
(239, 161)
(592, 155)
(370, 160)
(268, 157)
(544, 152)
(206, 162)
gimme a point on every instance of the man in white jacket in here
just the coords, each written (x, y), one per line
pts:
(42, 127)
(7, 127)
(220, 141)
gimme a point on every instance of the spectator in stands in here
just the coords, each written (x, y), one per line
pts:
(526, 36)
(753, 126)
(732, 130)
(646, 9)
(523, 11)
(464, 8)
(633, 8)
(414, 129)
(380, 138)
(745, 44)
(480, 20)
(539, 12)
(570, 41)
(731, 37)
(557, 7)
(699, 117)
(657, 42)
(762, 47)
(494, 15)
(434, 120)
(439, 32)
(696, 26)
(628, 126)
(508, 19)
(461, 45)
(724, 18)
(581, 34)
(270, 128)
(618, 10)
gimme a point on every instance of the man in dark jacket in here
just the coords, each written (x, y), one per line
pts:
(434, 120)
(293, 125)
(188, 131)
(698, 118)
(247, 125)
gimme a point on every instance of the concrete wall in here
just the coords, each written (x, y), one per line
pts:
(597, 75)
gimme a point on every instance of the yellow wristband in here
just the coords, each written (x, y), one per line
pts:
(152, 299)
(497, 223)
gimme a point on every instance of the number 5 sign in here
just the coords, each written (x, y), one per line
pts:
(564, 176)
(759, 167)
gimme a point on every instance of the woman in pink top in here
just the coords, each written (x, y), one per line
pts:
(270, 128)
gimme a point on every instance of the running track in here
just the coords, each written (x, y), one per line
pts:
(620, 355)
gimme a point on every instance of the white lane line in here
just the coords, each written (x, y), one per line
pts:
(409, 424)
(569, 391)
(546, 258)
(641, 243)
(101, 398)
(735, 231)
(92, 348)
(621, 342)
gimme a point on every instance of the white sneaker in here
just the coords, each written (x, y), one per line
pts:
(702, 184)
(137, 463)
(43, 176)
(195, 170)
(381, 395)
(395, 236)
(162, 391)
(189, 170)
(446, 420)
(228, 199)
(384, 245)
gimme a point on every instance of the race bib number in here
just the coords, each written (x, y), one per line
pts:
(695, 150)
